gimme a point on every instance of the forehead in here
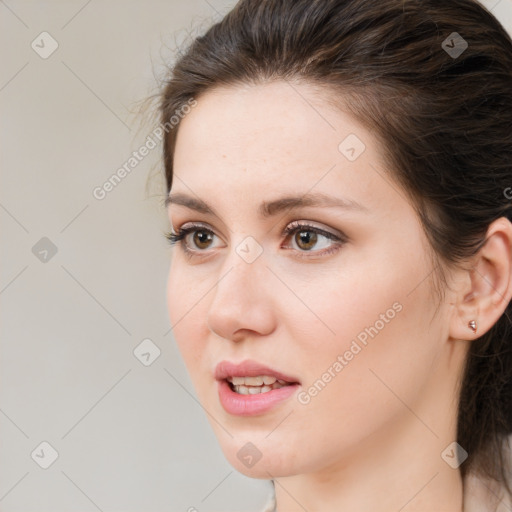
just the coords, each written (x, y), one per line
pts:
(261, 112)
(276, 128)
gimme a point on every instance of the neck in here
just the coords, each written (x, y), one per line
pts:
(400, 469)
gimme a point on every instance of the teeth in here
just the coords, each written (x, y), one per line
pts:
(254, 381)
(254, 390)
(255, 385)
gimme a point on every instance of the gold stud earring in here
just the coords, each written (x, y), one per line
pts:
(472, 325)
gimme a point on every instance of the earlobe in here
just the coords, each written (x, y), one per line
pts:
(487, 287)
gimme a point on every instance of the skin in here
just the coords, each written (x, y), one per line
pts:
(372, 439)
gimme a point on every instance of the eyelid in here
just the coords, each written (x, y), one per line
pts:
(328, 232)
(192, 225)
(198, 225)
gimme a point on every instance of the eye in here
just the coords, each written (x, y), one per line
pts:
(306, 238)
(202, 237)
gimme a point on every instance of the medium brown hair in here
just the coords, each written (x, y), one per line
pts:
(444, 121)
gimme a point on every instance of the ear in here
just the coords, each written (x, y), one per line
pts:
(486, 289)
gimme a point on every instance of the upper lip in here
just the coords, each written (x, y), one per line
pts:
(249, 368)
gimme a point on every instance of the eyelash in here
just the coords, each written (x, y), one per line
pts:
(294, 227)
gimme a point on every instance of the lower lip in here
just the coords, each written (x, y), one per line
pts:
(250, 405)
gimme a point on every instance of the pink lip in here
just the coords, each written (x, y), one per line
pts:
(248, 368)
(250, 405)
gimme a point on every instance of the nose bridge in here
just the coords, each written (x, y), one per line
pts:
(243, 264)
(238, 282)
(241, 299)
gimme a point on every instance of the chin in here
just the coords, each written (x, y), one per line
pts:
(252, 462)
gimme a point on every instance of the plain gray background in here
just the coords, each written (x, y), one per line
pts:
(82, 280)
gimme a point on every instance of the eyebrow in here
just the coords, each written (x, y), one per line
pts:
(274, 207)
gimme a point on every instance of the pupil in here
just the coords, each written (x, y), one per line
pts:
(202, 237)
(308, 237)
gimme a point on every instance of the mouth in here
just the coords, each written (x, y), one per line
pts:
(250, 388)
(256, 385)
(251, 374)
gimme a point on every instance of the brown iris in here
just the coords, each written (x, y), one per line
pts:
(202, 237)
(308, 238)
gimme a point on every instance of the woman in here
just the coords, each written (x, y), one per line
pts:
(340, 193)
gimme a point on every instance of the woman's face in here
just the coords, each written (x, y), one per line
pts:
(343, 308)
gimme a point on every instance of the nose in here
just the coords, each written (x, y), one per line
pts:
(242, 305)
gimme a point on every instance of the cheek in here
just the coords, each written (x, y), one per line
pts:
(383, 348)
(175, 290)
(186, 291)
(184, 307)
